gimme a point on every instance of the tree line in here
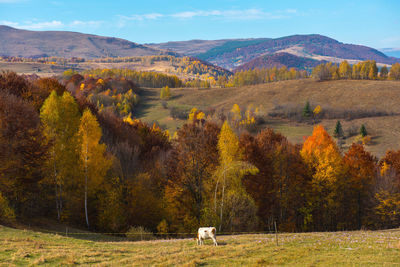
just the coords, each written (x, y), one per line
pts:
(365, 70)
(63, 158)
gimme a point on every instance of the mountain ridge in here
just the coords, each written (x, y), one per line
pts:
(25, 43)
(313, 46)
(231, 54)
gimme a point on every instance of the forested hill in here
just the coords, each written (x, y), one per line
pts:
(23, 43)
(235, 52)
(279, 60)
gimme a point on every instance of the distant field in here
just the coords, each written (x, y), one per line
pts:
(47, 70)
(359, 248)
(339, 95)
(40, 69)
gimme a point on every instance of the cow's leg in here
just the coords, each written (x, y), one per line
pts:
(215, 241)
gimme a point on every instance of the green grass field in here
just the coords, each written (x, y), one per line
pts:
(359, 248)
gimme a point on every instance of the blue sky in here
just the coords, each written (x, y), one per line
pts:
(372, 23)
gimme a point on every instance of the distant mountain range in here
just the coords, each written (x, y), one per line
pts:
(392, 52)
(232, 53)
(22, 43)
(300, 51)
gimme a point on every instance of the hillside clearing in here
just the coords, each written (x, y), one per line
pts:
(342, 95)
(367, 248)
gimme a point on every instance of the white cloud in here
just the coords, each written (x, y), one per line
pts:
(91, 23)
(42, 25)
(201, 13)
(9, 23)
(291, 11)
(149, 16)
(10, 1)
(247, 14)
(29, 25)
(48, 25)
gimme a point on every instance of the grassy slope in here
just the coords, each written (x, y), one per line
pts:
(361, 95)
(47, 70)
(40, 69)
(366, 248)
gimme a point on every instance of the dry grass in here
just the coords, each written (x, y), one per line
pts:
(356, 94)
(351, 94)
(40, 69)
(47, 70)
(359, 248)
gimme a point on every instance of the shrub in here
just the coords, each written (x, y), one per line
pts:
(138, 233)
(165, 93)
(179, 113)
(299, 114)
(366, 140)
(162, 227)
(6, 212)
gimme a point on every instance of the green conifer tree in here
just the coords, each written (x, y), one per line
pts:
(338, 132)
(307, 110)
(363, 131)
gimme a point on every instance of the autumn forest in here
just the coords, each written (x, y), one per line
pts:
(72, 150)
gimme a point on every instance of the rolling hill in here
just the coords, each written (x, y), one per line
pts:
(279, 60)
(364, 97)
(31, 44)
(227, 53)
(232, 53)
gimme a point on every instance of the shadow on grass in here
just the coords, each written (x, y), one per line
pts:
(174, 97)
(374, 140)
(146, 96)
(53, 227)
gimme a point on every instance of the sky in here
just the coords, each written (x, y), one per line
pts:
(375, 23)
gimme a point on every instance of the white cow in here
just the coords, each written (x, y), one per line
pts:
(206, 232)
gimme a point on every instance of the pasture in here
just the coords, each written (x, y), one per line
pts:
(344, 96)
(358, 248)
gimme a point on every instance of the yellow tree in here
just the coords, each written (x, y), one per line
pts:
(236, 114)
(230, 172)
(60, 119)
(93, 161)
(345, 70)
(196, 115)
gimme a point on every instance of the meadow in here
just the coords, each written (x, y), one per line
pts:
(358, 248)
(345, 96)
